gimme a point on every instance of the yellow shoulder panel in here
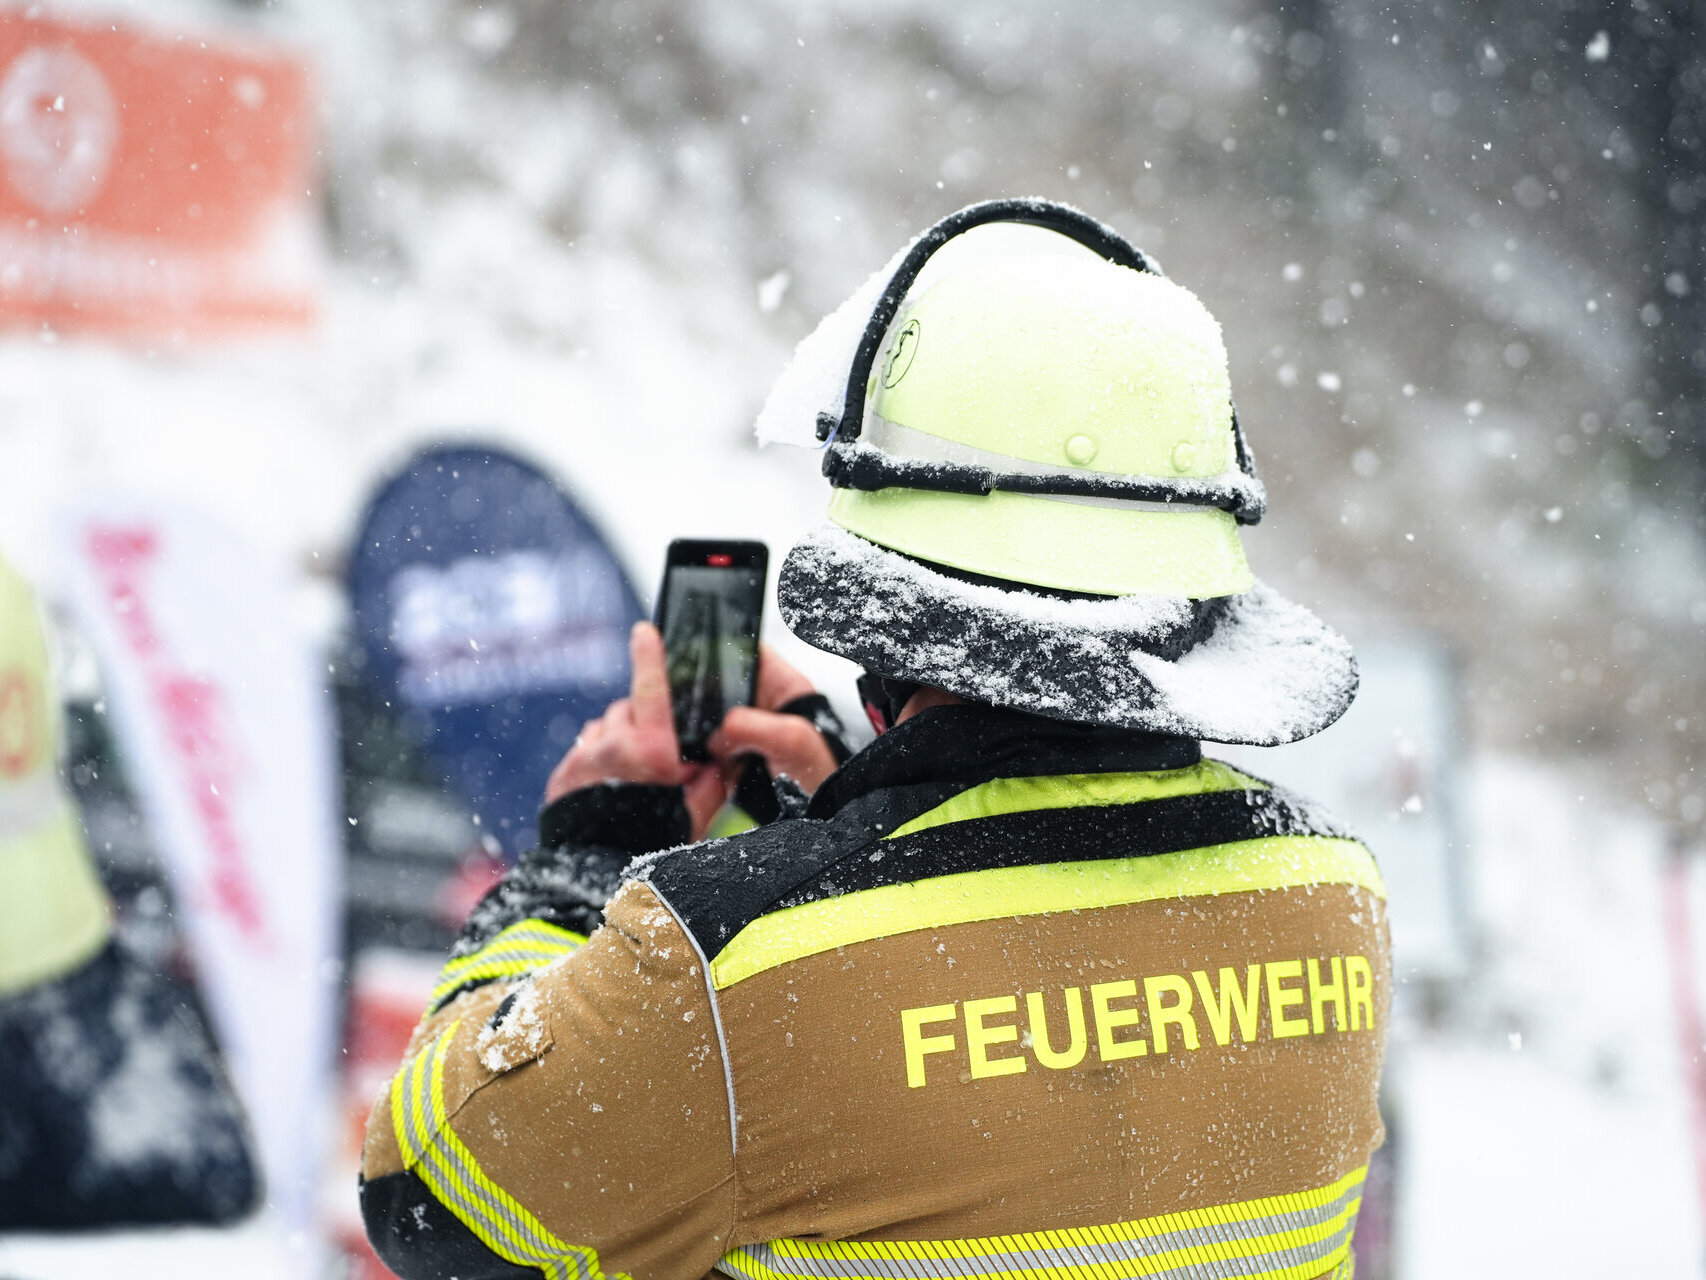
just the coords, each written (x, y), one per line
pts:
(1276, 862)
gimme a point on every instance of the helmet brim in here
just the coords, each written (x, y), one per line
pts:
(1266, 672)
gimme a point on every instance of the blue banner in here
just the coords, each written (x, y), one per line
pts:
(490, 613)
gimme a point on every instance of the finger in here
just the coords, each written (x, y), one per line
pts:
(790, 745)
(649, 689)
(750, 730)
(779, 681)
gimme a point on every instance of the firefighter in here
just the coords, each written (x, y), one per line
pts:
(1031, 985)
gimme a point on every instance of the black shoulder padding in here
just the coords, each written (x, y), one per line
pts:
(718, 888)
(587, 839)
(970, 743)
(1087, 834)
(420, 1239)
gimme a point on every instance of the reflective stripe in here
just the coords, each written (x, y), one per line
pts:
(431, 1148)
(1299, 1236)
(1275, 862)
(523, 947)
(1074, 790)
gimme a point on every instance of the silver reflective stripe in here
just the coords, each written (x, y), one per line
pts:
(906, 442)
(1289, 1236)
(474, 1206)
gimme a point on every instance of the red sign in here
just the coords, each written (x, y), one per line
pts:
(151, 182)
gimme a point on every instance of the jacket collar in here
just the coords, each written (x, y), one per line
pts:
(970, 743)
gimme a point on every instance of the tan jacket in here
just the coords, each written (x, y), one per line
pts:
(1013, 998)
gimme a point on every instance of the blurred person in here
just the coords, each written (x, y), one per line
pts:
(1027, 986)
(114, 1107)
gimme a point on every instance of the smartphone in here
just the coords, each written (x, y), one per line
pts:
(708, 610)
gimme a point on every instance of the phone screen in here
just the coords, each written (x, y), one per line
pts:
(709, 613)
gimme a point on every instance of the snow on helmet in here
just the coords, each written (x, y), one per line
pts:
(1039, 478)
(53, 911)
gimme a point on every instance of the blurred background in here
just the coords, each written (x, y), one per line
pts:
(394, 341)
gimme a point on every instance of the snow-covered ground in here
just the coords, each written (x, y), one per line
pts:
(1544, 1126)
(1515, 1169)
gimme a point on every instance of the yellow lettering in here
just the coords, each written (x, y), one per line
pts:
(1231, 1002)
(1321, 994)
(918, 1044)
(1076, 1040)
(1110, 1020)
(1282, 998)
(1299, 993)
(980, 1037)
(1178, 1013)
(1359, 979)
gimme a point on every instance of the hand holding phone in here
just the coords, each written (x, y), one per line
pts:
(634, 741)
(709, 610)
(713, 692)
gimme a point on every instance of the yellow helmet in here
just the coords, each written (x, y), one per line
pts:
(1039, 482)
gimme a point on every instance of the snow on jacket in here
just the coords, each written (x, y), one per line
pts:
(1014, 995)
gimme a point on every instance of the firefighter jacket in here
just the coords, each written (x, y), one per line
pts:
(1013, 997)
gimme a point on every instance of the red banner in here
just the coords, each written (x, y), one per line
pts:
(151, 182)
